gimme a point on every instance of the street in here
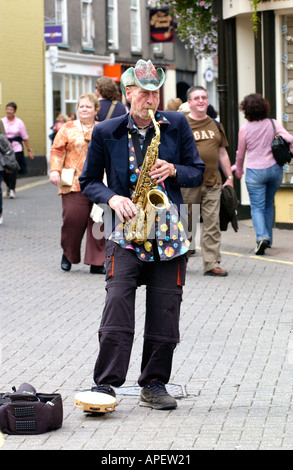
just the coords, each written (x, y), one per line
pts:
(232, 371)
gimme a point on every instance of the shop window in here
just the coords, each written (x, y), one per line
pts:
(76, 85)
(287, 59)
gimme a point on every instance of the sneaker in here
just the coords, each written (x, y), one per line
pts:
(155, 395)
(1, 219)
(104, 388)
(261, 247)
(11, 194)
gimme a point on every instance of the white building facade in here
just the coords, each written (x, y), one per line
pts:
(265, 65)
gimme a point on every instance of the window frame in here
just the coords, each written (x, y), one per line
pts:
(87, 23)
(135, 27)
(112, 25)
(63, 20)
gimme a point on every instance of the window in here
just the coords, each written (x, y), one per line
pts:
(87, 23)
(61, 18)
(135, 26)
(112, 24)
(75, 85)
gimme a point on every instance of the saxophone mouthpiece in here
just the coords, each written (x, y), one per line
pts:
(150, 113)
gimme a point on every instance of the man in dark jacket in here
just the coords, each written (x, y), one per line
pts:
(159, 263)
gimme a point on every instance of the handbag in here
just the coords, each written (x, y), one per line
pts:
(7, 156)
(280, 148)
(97, 214)
(67, 176)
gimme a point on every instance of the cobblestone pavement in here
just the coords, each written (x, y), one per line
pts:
(233, 368)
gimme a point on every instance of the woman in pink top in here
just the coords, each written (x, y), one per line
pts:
(263, 175)
(16, 134)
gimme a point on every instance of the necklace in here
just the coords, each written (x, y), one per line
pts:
(88, 128)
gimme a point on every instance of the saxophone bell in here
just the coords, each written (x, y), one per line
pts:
(157, 199)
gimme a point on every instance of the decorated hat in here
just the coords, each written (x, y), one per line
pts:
(143, 75)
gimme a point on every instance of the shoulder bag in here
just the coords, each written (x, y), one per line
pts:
(111, 109)
(7, 156)
(280, 148)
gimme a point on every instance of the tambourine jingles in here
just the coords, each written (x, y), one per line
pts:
(95, 402)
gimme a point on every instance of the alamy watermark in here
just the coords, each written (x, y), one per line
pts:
(182, 223)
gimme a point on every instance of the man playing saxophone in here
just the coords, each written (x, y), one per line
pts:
(160, 145)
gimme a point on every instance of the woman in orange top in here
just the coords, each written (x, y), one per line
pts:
(69, 150)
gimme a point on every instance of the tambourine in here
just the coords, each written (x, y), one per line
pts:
(95, 402)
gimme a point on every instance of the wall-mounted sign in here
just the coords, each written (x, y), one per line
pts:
(113, 71)
(53, 34)
(161, 25)
(209, 75)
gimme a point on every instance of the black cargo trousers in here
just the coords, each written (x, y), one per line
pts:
(164, 281)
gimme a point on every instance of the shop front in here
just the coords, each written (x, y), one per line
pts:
(68, 75)
(265, 65)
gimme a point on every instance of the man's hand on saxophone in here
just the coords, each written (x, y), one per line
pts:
(162, 170)
(123, 206)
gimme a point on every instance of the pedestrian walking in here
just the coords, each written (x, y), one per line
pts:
(263, 175)
(17, 134)
(108, 93)
(69, 151)
(211, 142)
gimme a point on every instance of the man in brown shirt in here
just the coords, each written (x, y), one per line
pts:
(211, 143)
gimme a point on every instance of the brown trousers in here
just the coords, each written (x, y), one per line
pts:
(76, 208)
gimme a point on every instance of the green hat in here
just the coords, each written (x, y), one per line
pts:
(144, 75)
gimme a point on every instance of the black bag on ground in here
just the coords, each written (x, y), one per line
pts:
(7, 156)
(280, 148)
(26, 412)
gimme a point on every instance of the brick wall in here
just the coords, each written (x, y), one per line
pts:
(22, 73)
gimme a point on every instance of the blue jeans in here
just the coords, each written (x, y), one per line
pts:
(262, 186)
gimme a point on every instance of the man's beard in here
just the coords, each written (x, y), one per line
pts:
(143, 114)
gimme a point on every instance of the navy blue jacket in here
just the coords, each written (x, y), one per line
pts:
(105, 106)
(108, 150)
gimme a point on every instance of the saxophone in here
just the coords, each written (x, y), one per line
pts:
(146, 197)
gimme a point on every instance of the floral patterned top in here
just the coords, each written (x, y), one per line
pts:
(69, 150)
(170, 236)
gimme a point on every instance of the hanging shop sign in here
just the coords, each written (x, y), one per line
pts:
(53, 35)
(161, 25)
(113, 71)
